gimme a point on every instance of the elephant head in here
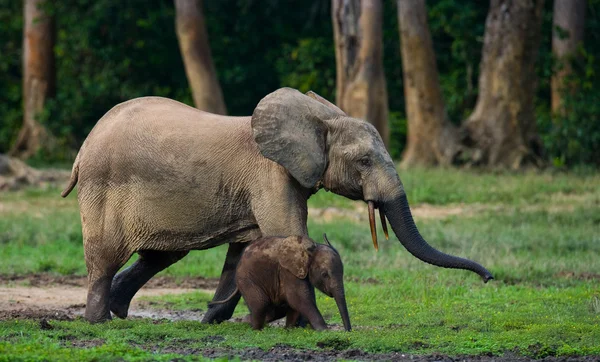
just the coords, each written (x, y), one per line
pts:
(320, 146)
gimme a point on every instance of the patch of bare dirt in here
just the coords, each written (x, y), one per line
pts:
(35, 313)
(85, 343)
(358, 213)
(45, 296)
(289, 354)
(47, 280)
(578, 276)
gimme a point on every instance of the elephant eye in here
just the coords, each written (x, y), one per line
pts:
(365, 161)
(324, 275)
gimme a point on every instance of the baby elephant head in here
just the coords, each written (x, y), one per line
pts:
(326, 273)
(321, 264)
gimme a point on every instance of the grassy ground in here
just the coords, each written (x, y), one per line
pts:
(537, 232)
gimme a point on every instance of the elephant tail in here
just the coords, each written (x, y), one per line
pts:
(225, 300)
(74, 177)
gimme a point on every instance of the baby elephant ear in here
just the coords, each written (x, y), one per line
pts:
(294, 255)
(289, 129)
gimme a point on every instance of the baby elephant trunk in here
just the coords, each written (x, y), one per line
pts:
(340, 299)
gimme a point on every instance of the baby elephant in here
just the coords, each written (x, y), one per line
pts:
(276, 276)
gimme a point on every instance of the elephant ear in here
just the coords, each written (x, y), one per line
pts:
(320, 99)
(294, 254)
(289, 129)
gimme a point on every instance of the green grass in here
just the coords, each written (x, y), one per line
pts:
(537, 232)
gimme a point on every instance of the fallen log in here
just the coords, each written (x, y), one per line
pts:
(16, 175)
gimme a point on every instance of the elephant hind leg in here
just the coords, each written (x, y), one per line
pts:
(102, 261)
(130, 280)
(258, 302)
(276, 313)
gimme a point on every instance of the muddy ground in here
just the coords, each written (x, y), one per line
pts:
(46, 298)
(40, 296)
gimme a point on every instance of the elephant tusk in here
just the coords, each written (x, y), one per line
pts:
(372, 224)
(384, 224)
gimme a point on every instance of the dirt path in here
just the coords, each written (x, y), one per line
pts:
(63, 297)
(560, 202)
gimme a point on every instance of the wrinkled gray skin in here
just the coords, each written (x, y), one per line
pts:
(277, 278)
(159, 178)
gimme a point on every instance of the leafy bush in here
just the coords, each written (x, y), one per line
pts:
(572, 137)
(11, 113)
(108, 52)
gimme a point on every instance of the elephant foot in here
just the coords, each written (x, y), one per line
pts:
(95, 319)
(216, 316)
(119, 309)
(96, 308)
(247, 318)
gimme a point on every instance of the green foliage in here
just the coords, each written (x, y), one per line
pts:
(398, 128)
(310, 65)
(572, 137)
(457, 30)
(109, 52)
(11, 112)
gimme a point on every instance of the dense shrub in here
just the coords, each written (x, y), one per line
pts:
(11, 113)
(108, 52)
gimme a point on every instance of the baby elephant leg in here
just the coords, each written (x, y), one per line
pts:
(257, 301)
(301, 298)
(292, 319)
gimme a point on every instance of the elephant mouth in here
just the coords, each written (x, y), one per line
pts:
(372, 205)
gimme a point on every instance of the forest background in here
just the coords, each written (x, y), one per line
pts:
(107, 52)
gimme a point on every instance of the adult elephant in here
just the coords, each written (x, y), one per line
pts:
(161, 178)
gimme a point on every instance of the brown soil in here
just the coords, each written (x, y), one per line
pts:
(45, 296)
(358, 213)
(47, 280)
(578, 276)
(286, 353)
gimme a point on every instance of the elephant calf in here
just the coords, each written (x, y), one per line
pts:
(276, 276)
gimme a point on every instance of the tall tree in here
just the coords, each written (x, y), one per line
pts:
(197, 58)
(501, 130)
(38, 76)
(360, 84)
(432, 139)
(567, 35)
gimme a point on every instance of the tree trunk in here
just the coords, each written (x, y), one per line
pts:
(432, 139)
(361, 88)
(567, 34)
(501, 130)
(38, 77)
(195, 50)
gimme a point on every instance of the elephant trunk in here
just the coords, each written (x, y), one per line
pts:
(398, 213)
(340, 300)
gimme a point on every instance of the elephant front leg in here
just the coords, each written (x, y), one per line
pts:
(301, 297)
(130, 280)
(218, 313)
